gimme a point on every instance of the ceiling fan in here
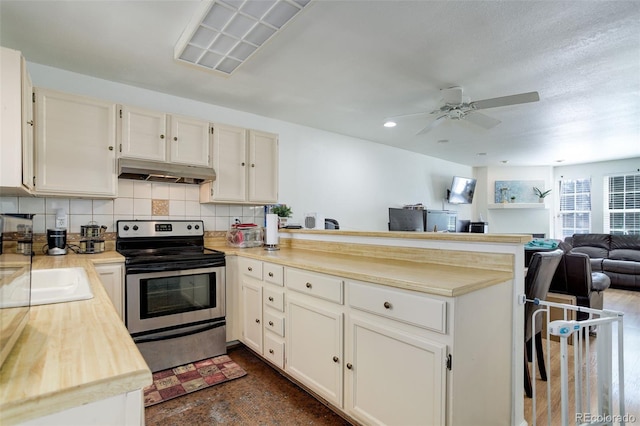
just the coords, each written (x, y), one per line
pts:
(456, 108)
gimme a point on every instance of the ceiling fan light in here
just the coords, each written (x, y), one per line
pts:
(390, 123)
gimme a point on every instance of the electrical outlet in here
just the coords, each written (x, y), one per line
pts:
(234, 220)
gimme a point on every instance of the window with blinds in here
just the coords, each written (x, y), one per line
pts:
(622, 204)
(575, 207)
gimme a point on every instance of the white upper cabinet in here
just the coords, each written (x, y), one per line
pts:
(75, 145)
(246, 166)
(152, 135)
(16, 124)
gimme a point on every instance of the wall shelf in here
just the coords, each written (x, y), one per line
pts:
(499, 206)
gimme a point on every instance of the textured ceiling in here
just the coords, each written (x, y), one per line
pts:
(344, 66)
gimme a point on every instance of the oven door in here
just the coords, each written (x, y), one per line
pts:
(168, 299)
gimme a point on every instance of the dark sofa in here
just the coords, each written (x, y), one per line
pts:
(618, 256)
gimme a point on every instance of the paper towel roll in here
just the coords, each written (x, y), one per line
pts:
(271, 237)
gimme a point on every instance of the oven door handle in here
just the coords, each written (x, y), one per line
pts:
(173, 334)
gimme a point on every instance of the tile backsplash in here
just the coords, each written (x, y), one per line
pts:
(136, 200)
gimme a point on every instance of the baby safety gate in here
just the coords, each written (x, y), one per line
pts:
(594, 365)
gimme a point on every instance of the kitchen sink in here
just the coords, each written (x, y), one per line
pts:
(59, 285)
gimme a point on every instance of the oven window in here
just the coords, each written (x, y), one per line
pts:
(174, 295)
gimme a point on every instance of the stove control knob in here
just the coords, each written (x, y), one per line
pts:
(197, 226)
(189, 227)
(135, 227)
(126, 227)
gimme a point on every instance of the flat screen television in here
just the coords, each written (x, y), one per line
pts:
(462, 190)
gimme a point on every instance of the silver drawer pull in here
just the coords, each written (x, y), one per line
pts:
(271, 323)
(257, 321)
(387, 305)
(271, 274)
(349, 365)
(271, 351)
(250, 268)
(270, 299)
(336, 359)
(308, 285)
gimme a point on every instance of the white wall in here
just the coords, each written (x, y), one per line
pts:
(349, 179)
(507, 221)
(597, 173)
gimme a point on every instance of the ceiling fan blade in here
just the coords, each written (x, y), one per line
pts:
(521, 98)
(395, 118)
(481, 120)
(452, 95)
(431, 125)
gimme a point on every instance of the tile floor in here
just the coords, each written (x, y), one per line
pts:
(263, 397)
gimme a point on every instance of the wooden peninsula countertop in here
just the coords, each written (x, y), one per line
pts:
(70, 354)
(425, 277)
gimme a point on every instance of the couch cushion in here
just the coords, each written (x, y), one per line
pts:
(629, 242)
(592, 240)
(621, 266)
(592, 252)
(625, 254)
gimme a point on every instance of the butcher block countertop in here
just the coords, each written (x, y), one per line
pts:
(70, 354)
(431, 278)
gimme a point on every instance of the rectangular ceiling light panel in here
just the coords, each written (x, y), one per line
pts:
(225, 33)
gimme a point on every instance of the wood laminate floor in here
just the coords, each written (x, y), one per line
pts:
(614, 299)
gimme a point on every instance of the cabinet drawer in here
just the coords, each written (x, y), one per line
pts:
(274, 274)
(273, 298)
(251, 267)
(274, 323)
(274, 350)
(318, 285)
(415, 309)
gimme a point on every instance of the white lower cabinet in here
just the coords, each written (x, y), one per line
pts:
(314, 346)
(384, 355)
(112, 277)
(252, 315)
(392, 377)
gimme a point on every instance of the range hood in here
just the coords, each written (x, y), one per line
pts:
(156, 171)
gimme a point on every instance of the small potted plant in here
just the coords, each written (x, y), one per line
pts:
(284, 212)
(541, 194)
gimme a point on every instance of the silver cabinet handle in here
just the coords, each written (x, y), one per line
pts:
(250, 268)
(175, 138)
(270, 299)
(271, 323)
(387, 305)
(349, 365)
(271, 351)
(161, 136)
(257, 321)
(336, 359)
(271, 274)
(308, 285)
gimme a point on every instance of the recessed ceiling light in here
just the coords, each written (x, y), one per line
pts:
(559, 161)
(481, 154)
(443, 141)
(504, 161)
(225, 33)
(390, 124)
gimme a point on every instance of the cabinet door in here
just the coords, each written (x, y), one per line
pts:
(75, 145)
(252, 315)
(314, 348)
(27, 127)
(189, 142)
(230, 163)
(143, 134)
(112, 277)
(413, 389)
(263, 167)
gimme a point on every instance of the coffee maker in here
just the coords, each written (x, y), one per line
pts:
(56, 241)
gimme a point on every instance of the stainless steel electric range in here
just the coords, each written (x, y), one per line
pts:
(174, 291)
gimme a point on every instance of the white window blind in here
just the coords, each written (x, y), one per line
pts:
(575, 207)
(622, 204)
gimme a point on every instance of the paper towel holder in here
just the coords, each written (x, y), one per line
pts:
(271, 232)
